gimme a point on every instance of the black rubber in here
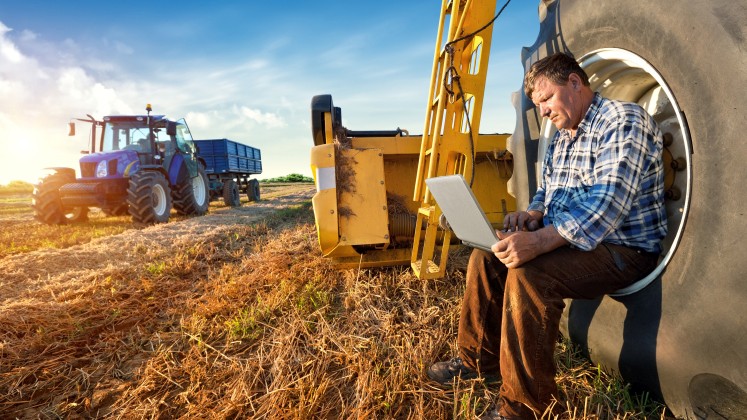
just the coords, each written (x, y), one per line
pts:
(47, 205)
(689, 321)
(231, 195)
(184, 199)
(253, 190)
(143, 197)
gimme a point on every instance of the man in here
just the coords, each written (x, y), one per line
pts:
(593, 227)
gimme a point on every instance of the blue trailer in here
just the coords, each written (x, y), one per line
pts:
(228, 165)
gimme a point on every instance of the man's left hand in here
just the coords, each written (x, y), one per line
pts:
(516, 248)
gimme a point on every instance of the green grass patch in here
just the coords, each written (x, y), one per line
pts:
(17, 187)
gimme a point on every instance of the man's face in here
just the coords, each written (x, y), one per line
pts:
(562, 104)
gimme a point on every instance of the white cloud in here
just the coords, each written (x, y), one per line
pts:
(39, 98)
(264, 118)
(27, 35)
(8, 50)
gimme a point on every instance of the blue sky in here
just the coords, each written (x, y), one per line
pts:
(244, 70)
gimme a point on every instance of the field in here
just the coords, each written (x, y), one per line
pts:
(235, 315)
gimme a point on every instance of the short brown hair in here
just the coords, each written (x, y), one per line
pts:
(557, 68)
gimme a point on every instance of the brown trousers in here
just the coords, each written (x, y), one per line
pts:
(510, 318)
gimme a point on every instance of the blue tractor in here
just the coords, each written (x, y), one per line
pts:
(144, 165)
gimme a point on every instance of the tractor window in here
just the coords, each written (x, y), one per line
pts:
(125, 136)
(184, 140)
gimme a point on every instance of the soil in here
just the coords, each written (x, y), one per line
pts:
(22, 274)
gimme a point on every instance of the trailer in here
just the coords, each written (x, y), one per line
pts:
(228, 165)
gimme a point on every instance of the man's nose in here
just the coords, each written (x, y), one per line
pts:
(544, 111)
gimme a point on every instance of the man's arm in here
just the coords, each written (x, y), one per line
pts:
(516, 248)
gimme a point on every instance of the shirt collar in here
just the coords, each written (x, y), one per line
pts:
(591, 113)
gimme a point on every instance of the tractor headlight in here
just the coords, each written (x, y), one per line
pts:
(101, 170)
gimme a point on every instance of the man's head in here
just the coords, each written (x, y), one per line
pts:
(559, 87)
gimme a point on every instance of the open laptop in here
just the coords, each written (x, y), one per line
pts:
(462, 211)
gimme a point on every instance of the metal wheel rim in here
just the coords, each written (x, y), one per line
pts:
(159, 199)
(198, 189)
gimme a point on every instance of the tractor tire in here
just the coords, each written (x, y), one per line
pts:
(192, 195)
(149, 198)
(687, 321)
(47, 205)
(252, 190)
(231, 195)
(118, 210)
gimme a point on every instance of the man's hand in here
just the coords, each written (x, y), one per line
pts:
(517, 248)
(522, 220)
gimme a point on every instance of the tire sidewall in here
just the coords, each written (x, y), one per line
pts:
(253, 190)
(701, 57)
(140, 197)
(46, 198)
(231, 195)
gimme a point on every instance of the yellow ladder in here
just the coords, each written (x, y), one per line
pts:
(452, 120)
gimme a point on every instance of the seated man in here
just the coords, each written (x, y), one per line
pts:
(593, 227)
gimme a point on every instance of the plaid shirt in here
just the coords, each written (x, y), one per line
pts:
(607, 183)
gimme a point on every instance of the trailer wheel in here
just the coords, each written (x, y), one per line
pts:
(231, 195)
(252, 191)
(48, 206)
(191, 196)
(684, 323)
(149, 197)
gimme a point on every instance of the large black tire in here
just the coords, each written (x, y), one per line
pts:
(231, 196)
(149, 198)
(47, 205)
(689, 321)
(192, 195)
(252, 191)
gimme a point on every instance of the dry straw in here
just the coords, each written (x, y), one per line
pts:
(200, 319)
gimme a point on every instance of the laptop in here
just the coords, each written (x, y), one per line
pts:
(462, 210)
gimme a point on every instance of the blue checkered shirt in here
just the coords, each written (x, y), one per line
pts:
(607, 183)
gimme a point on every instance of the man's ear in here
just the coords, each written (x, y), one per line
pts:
(575, 81)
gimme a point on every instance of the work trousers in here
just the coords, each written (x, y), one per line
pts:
(510, 318)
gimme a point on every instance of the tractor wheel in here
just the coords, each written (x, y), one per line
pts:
(118, 210)
(192, 196)
(252, 191)
(76, 214)
(682, 323)
(231, 195)
(47, 205)
(149, 197)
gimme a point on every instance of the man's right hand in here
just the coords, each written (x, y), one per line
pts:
(522, 220)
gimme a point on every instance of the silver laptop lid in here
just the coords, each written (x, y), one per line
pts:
(462, 210)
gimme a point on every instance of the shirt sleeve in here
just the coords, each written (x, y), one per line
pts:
(538, 201)
(622, 157)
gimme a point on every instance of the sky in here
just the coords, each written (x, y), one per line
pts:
(244, 70)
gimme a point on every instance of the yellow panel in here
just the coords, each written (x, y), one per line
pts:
(325, 199)
(364, 219)
(325, 214)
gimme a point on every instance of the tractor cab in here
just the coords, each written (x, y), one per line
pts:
(131, 132)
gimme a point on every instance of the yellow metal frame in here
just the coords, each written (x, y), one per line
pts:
(452, 120)
(352, 225)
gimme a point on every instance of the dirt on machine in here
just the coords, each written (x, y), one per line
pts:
(145, 166)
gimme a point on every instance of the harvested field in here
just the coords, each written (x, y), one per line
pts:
(236, 315)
